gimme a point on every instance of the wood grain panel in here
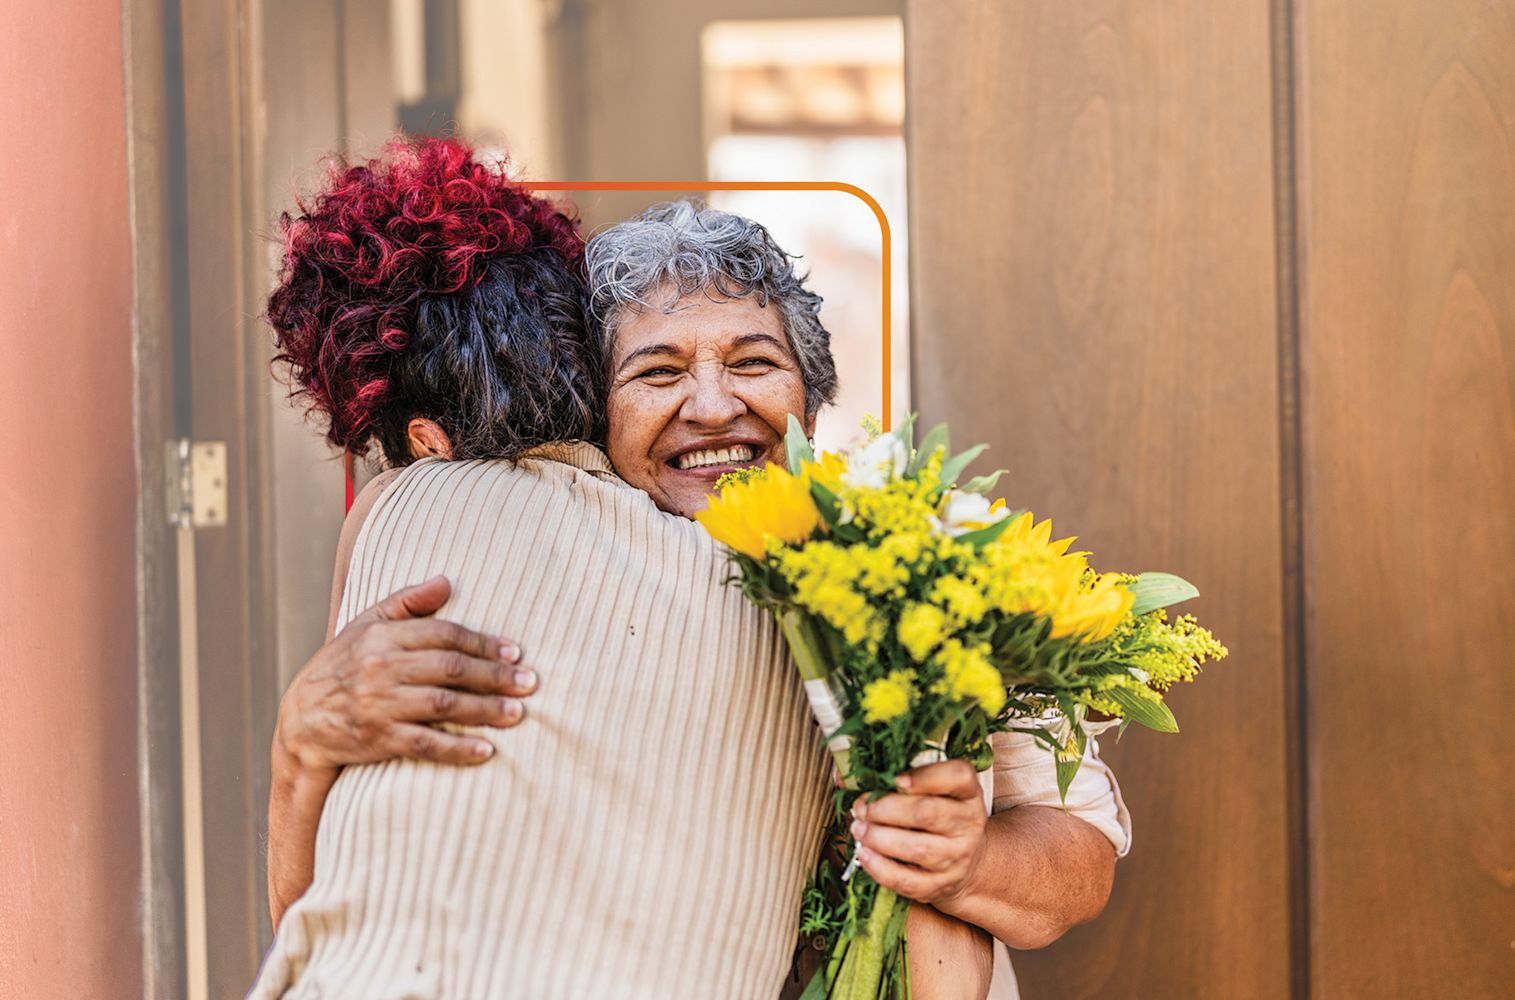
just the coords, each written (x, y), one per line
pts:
(368, 89)
(1092, 241)
(217, 309)
(1408, 189)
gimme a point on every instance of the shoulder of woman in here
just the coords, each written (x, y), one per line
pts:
(364, 503)
(352, 526)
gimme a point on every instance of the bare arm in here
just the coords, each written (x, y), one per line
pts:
(949, 959)
(295, 800)
(1043, 872)
(1041, 875)
(297, 793)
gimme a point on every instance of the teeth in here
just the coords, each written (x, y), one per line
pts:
(716, 456)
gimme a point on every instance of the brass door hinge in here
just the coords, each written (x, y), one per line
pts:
(196, 483)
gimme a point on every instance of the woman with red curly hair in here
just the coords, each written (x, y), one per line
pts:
(428, 286)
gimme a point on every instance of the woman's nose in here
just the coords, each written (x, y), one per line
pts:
(710, 401)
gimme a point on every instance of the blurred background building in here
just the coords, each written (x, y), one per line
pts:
(1229, 286)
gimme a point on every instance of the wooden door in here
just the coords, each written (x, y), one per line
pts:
(1231, 288)
(230, 104)
(1092, 232)
(1407, 312)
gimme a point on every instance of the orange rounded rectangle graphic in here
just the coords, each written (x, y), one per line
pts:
(885, 347)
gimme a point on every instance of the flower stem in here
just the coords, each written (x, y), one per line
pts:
(868, 949)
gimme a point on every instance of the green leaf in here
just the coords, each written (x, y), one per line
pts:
(797, 446)
(1160, 590)
(983, 484)
(894, 931)
(906, 432)
(980, 537)
(1066, 769)
(816, 988)
(1143, 710)
(848, 533)
(954, 466)
(826, 502)
(934, 439)
(849, 727)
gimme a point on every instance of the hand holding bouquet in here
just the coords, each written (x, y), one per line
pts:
(923, 618)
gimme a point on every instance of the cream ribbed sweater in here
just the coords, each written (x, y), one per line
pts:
(646, 832)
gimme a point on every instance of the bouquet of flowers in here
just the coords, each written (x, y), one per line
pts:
(923, 617)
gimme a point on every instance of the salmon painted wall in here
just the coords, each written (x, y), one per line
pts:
(69, 870)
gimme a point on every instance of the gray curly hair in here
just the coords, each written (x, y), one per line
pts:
(679, 248)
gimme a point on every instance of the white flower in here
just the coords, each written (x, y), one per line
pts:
(874, 464)
(1139, 674)
(965, 512)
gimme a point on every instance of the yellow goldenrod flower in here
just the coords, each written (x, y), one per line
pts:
(891, 511)
(880, 572)
(745, 515)
(1017, 580)
(889, 697)
(905, 547)
(970, 676)
(922, 628)
(824, 577)
(962, 599)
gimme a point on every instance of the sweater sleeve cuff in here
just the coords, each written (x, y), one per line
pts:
(1024, 775)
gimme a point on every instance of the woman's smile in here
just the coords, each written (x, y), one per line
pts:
(723, 456)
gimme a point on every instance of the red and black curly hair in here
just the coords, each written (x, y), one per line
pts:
(427, 284)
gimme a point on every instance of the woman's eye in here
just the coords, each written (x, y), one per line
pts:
(756, 363)
(659, 372)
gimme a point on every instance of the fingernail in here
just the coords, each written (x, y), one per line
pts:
(526, 679)
(903, 782)
(483, 750)
(858, 829)
(860, 809)
(863, 854)
(510, 652)
(512, 709)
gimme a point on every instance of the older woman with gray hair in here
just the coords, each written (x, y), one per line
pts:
(645, 831)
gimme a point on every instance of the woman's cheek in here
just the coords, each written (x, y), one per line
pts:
(635, 417)
(780, 396)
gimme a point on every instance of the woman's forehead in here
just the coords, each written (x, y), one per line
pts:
(698, 319)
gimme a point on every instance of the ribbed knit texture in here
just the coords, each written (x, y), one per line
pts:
(645, 832)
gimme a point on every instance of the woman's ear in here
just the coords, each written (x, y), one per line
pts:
(428, 439)
(810, 426)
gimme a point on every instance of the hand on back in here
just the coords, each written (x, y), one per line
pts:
(375, 690)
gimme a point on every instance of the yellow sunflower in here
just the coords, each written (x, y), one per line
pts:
(769, 504)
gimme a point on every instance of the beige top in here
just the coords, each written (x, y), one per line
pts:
(647, 831)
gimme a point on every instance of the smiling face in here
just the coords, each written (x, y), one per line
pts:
(698, 391)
